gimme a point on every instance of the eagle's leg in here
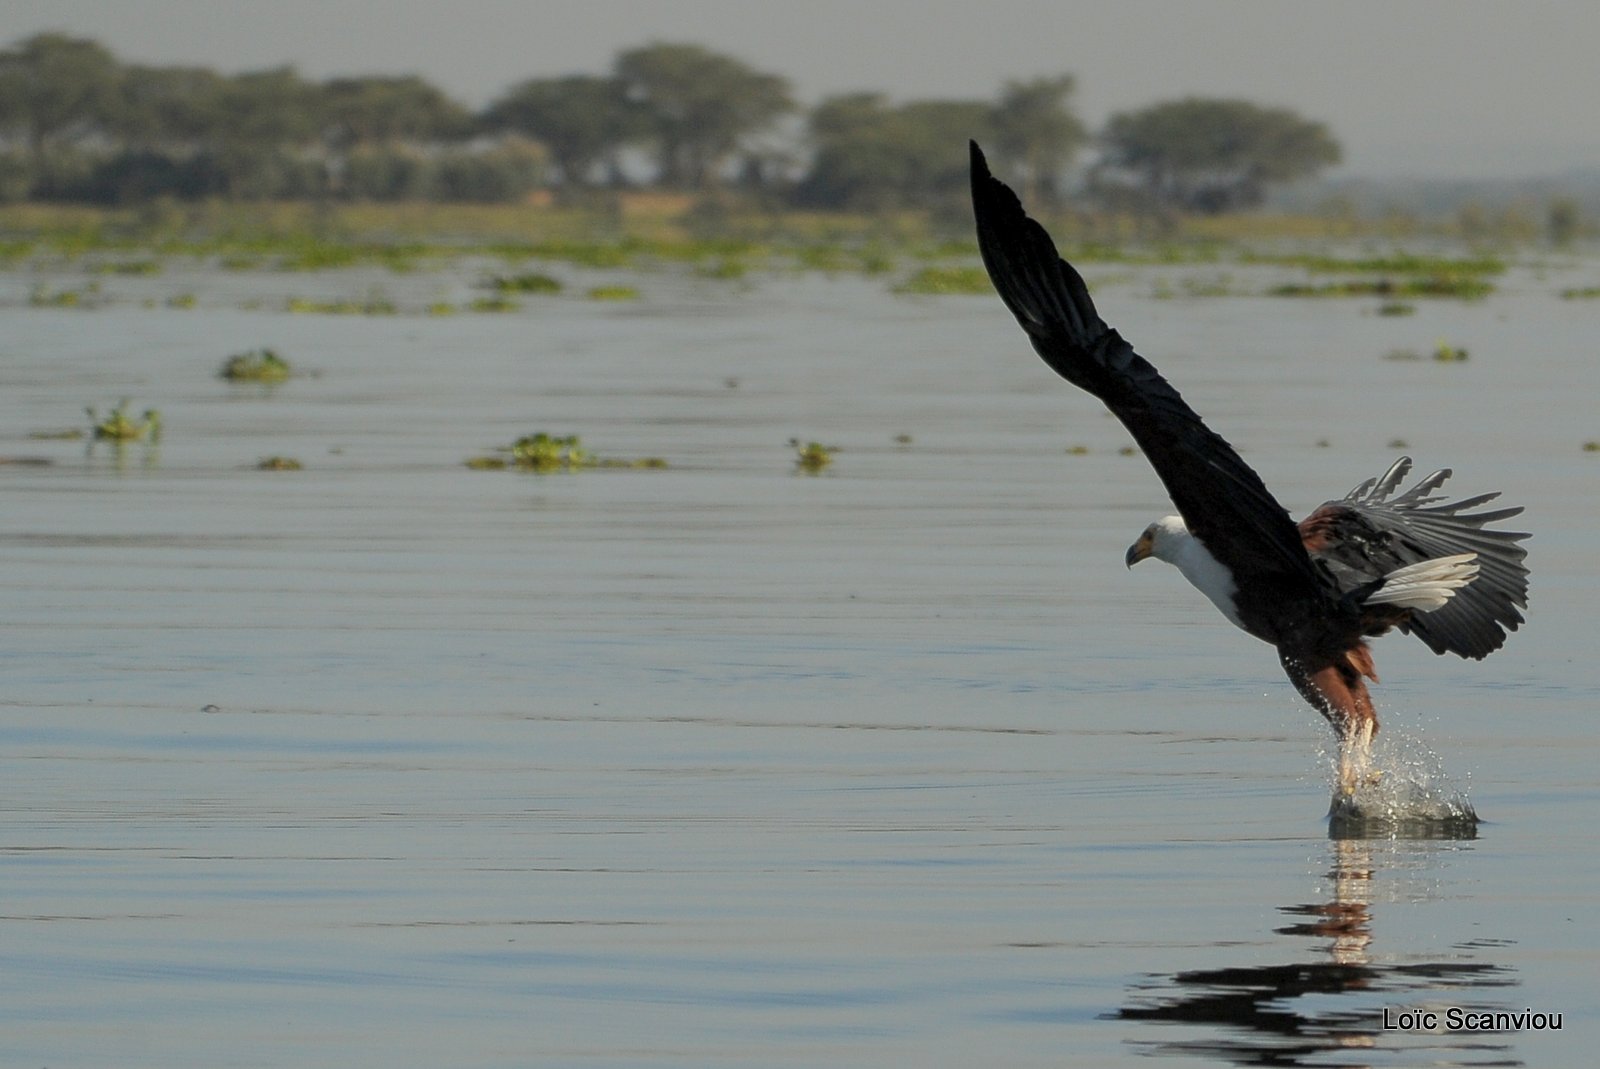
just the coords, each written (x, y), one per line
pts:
(1338, 691)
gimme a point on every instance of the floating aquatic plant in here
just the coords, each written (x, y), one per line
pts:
(1586, 293)
(128, 267)
(545, 453)
(1445, 353)
(494, 304)
(279, 464)
(1467, 287)
(531, 282)
(44, 298)
(938, 280)
(256, 365)
(727, 269)
(1403, 263)
(811, 457)
(118, 426)
(371, 306)
(614, 293)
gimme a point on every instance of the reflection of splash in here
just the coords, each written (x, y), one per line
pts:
(1255, 1005)
(1407, 795)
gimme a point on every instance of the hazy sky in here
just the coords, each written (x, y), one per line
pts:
(1471, 88)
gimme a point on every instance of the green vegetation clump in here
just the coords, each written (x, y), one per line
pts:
(1445, 353)
(531, 282)
(1396, 308)
(118, 426)
(947, 280)
(614, 293)
(372, 306)
(257, 365)
(1586, 293)
(1404, 275)
(810, 458)
(279, 464)
(494, 304)
(580, 253)
(43, 298)
(1591, 446)
(128, 267)
(728, 269)
(316, 253)
(1465, 287)
(1401, 263)
(543, 453)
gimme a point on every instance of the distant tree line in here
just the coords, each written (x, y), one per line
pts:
(77, 124)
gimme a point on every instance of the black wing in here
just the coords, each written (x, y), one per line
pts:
(1368, 534)
(1221, 499)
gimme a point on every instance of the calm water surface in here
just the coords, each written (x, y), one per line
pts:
(391, 763)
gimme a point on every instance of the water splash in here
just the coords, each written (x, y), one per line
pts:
(1409, 795)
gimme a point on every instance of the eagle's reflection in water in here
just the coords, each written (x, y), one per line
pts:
(1332, 1000)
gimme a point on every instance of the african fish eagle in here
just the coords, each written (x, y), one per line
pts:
(1316, 590)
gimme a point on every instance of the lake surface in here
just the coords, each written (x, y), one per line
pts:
(387, 762)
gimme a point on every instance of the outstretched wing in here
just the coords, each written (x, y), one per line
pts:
(1368, 534)
(1222, 500)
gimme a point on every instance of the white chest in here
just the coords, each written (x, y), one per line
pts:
(1208, 576)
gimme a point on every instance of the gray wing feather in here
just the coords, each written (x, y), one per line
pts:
(1422, 525)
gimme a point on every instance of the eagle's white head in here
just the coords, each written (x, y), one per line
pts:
(1169, 539)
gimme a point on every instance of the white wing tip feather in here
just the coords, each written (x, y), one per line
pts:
(1426, 585)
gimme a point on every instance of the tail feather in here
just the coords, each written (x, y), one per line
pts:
(1426, 585)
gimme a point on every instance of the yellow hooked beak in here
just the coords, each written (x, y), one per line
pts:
(1140, 549)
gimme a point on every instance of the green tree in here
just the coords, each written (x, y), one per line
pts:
(168, 109)
(582, 120)
(163, 117)
(1213, 155)
(700, 106)
(273, 117)
(379, 111)
(374, 127)
(872, 156)
(55, 88)
(273, 108)
(1036, 134)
